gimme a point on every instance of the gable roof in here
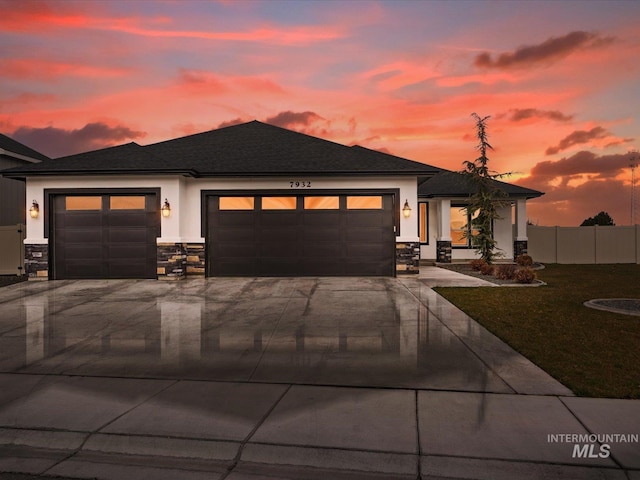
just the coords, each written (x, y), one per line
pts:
(454, 184)
(248, 149)
(14, 149)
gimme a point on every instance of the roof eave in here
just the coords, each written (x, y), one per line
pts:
(528, 196)
(194, 173)
(62, 173)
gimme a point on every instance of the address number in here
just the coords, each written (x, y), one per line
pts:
(300, 184)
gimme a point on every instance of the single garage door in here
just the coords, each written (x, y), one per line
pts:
(104, 236)
(310, 235)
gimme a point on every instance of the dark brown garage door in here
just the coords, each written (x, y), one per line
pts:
(290, 235)
(104, 236)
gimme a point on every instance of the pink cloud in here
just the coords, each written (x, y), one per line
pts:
(37, 16)
(57, 142)
(578, 137)
(519, 114)
(291, 119)
(49, 69)
(551, 49)
(200, 81)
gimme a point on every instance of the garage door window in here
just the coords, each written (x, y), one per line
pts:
(236, 203)
(364, 203)
(126, 203)
(83, 203)
(321, 203)
(279, 203)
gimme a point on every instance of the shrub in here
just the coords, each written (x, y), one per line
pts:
(477, 264)
(524, 260)
(506, 271)
(486, 269)
(525, 275)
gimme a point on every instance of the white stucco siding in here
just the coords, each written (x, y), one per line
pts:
(185, 196)
(169, 188)
(406, 185)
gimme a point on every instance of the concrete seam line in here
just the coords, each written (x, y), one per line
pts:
(258, 424)
(273, 331)
(612, 456)
(467, 346)
(81, 447)
(418, 448)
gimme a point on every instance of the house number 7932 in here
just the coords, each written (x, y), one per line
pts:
(305, 184)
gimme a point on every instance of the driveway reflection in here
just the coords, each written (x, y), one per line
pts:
(323, 331)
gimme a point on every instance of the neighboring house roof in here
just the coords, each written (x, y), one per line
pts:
(14, 149)
(248, 149)
(454, 184)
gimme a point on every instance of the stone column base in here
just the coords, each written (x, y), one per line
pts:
(179, 260)
(443, 251)
(520, 248)
(407, 258)
(171, 261)
(36, 261)
(195, 259)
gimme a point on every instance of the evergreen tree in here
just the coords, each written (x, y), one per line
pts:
(602, 218)
(486, 198)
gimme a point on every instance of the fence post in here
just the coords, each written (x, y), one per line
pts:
(638, 244)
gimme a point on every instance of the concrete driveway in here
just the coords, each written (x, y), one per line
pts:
(276, 378)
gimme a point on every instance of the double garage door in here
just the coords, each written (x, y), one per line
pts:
(104, 236)
(110, 235)
(289, 235)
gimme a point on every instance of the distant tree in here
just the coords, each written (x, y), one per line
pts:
(603, 218)
(487, 198)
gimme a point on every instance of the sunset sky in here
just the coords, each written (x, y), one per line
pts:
(560, 80)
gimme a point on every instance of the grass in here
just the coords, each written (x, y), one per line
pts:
(594, 353)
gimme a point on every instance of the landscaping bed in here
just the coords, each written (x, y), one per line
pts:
(465, 268)
(593, 352)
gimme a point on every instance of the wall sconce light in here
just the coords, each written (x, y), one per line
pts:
(34, 211)
(166, 209)
(406, 210)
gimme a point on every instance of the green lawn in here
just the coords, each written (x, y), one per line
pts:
(594, 353)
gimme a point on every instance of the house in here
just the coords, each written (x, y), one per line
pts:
(247, 200)
(12, 204)
(12, 192)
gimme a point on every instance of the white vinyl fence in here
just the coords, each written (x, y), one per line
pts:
(12, 250)
(584, 244)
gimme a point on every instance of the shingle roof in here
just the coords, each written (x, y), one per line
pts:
(252, 148)
(454, 184)
(13, 146)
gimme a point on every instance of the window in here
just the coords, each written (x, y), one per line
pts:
(423, 222)
(83, 203)
(460, 225)
(321, 203)
(236, 203)
(364, 203)
(127, 203)
(279, 203)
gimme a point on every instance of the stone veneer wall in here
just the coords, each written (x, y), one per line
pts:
(195, 258)
(520, 248)
(172, 261)
(178, 260)
(443, 251)
(407, 258)
(36, 261)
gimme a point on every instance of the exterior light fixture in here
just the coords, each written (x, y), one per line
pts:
(34, 211)
(406, 210)
(166, 209)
